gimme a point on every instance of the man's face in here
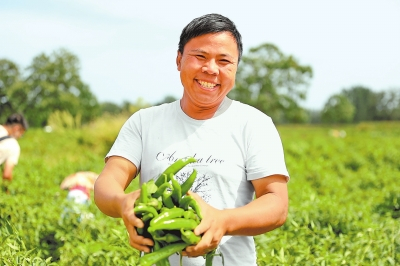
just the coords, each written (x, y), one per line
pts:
(208, 68)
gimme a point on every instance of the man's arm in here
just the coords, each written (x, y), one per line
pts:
(109, 189)
(266, 213)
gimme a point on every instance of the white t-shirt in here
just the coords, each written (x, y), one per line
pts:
(236, 146)
(9, 148)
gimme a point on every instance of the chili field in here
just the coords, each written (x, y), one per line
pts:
(344, 199)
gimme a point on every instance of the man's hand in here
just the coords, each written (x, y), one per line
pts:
(212, 228)
(132, 222)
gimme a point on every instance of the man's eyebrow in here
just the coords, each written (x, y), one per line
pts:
(198, 51)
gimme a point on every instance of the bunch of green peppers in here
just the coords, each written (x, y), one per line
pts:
(169, 215)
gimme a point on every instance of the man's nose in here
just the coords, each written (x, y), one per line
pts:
(211, 67)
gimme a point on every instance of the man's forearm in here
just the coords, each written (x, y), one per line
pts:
(107, 196)
(262, 215)
(109, 190)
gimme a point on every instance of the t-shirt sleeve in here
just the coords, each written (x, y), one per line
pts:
(128, 143)
(265, 155)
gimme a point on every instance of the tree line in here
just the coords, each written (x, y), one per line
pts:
(267, 79)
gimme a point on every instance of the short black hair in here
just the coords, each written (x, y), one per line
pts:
(210, 23)
(17, 119)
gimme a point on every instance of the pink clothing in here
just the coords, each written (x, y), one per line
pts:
(81, 188)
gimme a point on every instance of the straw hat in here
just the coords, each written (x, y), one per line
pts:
(83, 178)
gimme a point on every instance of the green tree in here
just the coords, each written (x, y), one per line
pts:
(9, 77)
(273, 83)
(338, 109)
(365, 102)
(388, 105)
(54, 83)
(110, 108)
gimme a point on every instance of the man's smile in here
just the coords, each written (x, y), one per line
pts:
(207, 85)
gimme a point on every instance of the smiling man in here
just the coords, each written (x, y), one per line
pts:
(237, 148)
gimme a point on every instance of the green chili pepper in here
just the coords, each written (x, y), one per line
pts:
(161, 180)
(164, 252)
(190, 237)
(156, 246)
(156, 234)
(176, 192)
(162, 262)
(189, 201)
(210, 255)
(164, 209)
(174, 224)
(175, 168)
(143, 209)
(209, 258)
(144, 194)
(167, 199)
(161, 189)
(155, 203)
(190, 214)
(169, 238)
(178, 165)
(147, 216)
(184, 203)
(168, 214)
(185, 187)
(196, 207)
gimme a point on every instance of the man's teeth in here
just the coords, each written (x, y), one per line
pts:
(207, 85)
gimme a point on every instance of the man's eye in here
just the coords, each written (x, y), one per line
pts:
(200, 56)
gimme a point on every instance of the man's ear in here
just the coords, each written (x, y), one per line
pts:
(178, 60)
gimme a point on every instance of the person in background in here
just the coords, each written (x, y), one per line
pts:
(14, 127)
(238, 150)
(79, 186)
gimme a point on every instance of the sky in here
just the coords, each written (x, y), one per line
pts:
(127, 49)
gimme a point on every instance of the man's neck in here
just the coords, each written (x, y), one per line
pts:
(201, 112)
